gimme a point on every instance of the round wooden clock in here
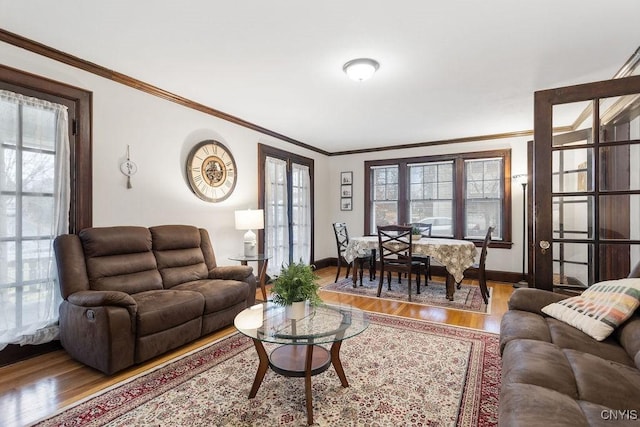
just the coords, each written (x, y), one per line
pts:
(211, 170)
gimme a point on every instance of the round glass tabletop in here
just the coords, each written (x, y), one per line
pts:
(268, 322)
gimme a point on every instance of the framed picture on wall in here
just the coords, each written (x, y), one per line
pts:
(346, 177)
(345, 204)
(345, 190)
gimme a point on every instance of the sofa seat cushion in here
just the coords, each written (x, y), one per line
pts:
(538, 363)
(568, 337)
(164, 309)
(604, 382)
(535, 406)
(218, 294)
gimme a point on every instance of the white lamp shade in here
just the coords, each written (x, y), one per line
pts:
(250, 219)
(360, 69)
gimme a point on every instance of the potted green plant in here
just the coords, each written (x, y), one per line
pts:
(416, 232)
(296, 285)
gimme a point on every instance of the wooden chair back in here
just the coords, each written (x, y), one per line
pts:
(395, 245)
(342, 237)
(425, 228)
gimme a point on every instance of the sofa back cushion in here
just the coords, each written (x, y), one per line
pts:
(178, 253)
(628, 334)
(120, 259)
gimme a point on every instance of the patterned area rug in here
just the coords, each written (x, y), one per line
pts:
(401, 372)
(468, 297)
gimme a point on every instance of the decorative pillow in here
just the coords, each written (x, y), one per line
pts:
(599, 309)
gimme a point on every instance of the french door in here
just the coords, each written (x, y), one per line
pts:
(586, 186)
(286, 195)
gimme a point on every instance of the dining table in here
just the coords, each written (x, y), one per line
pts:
(455, 255)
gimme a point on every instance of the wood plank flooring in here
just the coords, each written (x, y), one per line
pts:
(37, 387)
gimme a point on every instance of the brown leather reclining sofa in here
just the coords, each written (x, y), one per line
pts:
(556, 375)
(132, 293)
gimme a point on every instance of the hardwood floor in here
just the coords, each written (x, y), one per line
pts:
(37, 387)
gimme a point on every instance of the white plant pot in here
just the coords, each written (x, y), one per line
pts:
(296, 310)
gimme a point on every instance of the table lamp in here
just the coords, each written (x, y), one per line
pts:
(250, 220)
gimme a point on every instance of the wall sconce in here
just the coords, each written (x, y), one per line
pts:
(250, 220)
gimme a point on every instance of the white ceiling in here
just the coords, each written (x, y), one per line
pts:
(448, 69)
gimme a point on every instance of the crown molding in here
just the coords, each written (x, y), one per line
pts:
(126, 80)
(99, 70)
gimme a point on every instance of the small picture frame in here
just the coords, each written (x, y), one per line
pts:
(345, 204)
(346, 177)
(345, 190)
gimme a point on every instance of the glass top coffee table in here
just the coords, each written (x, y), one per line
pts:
(299, 353)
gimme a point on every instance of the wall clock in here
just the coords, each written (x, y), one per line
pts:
(211, 170)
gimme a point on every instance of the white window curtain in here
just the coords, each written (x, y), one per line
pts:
(301, 212)
(276, 230)
(34, 208)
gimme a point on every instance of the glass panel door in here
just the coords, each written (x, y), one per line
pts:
(587, 184)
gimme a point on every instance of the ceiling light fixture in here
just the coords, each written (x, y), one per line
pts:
(361, 69)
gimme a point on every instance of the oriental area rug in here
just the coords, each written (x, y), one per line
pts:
(468, 297)
(401, 372)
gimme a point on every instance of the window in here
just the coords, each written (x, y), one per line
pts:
(461, 195)
(483, 197)
(385, 195)
(431, 196)
(42, 145)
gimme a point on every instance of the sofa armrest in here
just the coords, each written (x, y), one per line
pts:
(242, 273)
(533, 300)
(232, 272)
(104, 298)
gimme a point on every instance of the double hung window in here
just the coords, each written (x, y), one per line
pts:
(460, 195)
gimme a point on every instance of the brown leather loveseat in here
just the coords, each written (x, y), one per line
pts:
(556, 375)
(132, 293)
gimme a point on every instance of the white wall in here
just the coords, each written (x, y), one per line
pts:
(161, 133)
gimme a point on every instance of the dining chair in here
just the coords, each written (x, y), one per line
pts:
(425, 231)
(395, 248)
(479, 267)
(342, 241)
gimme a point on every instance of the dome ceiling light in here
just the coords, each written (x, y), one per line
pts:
(361, 69)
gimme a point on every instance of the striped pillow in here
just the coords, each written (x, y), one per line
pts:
(599, 309)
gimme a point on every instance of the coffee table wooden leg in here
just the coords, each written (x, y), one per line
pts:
(263, 366)
(337, 364)
(307, 384)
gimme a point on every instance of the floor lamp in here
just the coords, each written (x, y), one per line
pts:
(523, 179)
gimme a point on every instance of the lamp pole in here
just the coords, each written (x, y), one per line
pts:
(522, 179)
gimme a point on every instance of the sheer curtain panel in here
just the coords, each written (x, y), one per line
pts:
(276, 228)
(301, 213)
(34, 209)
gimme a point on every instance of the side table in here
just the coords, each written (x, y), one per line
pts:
(262, 274)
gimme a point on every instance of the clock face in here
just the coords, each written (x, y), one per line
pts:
(211, 170)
